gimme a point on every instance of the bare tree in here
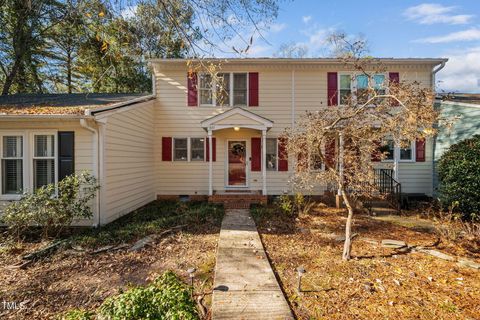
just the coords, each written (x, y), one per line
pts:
(343, 45)
(292, 50)
(343, 139)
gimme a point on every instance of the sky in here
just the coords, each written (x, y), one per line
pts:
(393, 28)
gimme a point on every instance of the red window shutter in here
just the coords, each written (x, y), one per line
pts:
(256, 154)
(330, 152)
(282, 155)
(214, 150)
(332, 89)
(420, 150)
(166, 148)
(376, 156)
(253, 89)
(394, 77)
(192, 89)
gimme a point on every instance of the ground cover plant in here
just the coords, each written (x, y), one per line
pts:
(378, 282)
(80, 276)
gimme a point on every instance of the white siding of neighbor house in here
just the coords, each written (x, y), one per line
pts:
(128, 161)
(83, 144)
(285, 93)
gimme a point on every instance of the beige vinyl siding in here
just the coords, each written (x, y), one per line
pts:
(283, 91)
(415, 177)
(83, 146)
(128, 161)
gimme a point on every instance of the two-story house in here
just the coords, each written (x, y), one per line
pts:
(195, 138)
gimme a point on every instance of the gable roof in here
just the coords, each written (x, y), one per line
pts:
(236, 117)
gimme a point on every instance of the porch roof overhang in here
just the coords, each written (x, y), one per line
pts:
(236, 117)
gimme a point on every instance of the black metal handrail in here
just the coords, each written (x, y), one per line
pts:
(388, 187)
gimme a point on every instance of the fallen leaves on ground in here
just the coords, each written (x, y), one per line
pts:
(75, 279)
(378, 283)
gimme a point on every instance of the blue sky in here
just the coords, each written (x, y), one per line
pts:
(394, 28)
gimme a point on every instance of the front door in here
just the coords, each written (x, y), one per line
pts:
(237, 163)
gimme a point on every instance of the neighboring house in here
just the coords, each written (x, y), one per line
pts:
(464, 110)
(186, 140)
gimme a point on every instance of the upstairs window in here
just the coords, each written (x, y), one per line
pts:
(12, 165)
(379, 84)
(205, 89)
(225, 89)
(358, 86)
(43, 160)
(345, 88)
(239, 89)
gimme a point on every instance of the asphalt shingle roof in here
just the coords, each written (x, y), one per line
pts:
(75, 103)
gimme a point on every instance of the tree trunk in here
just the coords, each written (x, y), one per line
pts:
(69, 72)
(347, 247)
(10, 78)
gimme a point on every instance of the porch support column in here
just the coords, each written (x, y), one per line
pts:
(396, 155)
(210, 163)
(264, 162)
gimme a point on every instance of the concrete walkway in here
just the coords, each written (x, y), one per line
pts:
(245, 286)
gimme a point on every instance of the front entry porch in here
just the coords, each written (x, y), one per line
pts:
(234, 130)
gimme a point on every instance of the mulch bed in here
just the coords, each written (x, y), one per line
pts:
(73, 279)
(378, 283)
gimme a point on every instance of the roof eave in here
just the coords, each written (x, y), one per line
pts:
(433, 61)
(44, 116)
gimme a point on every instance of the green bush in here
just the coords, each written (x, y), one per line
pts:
(459, 174)
(54, 206)
(77, 314)
(167, 298)
(293, 205)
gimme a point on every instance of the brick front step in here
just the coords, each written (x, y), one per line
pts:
(237, 201)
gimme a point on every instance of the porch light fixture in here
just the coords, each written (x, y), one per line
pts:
(236, 128)
(191, 274)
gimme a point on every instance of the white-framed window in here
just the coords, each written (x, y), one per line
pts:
(315, 161)
(180, 149)
(271, 157)
(12, 161)
(225, 89)
(44, 159)
(197, 149)
(205, 89)
(239, 89)
(404, 152)
(357, 86)
(345, 88)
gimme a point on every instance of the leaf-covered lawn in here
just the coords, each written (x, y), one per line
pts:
(378, 283)
(79, 279)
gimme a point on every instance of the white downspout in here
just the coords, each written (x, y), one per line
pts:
(293, 98)
(434, 73)
(96, 163)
